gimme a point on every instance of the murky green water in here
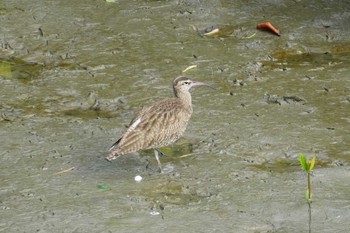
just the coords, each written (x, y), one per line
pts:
(73, 73)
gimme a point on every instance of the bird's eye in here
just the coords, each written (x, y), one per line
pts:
(187, 82)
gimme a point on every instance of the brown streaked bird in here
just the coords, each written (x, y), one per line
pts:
(160, 124)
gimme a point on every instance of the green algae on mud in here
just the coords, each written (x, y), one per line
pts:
(16, 68)
(336, 55)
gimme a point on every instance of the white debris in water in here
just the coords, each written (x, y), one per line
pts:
(153, 212)
(138, 178)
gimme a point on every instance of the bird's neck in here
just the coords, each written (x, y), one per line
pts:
(185, 98)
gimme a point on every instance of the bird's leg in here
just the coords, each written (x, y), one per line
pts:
(158, 161)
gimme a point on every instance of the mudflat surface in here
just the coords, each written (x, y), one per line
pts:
(73, 74)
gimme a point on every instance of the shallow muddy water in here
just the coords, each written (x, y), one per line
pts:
(73, 74)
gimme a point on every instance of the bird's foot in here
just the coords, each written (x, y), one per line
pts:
(160, 170)
(167, 169)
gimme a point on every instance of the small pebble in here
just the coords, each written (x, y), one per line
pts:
(138, 178)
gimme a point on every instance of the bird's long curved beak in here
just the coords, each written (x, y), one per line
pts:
(194, 83)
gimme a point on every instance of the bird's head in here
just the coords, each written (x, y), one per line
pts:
(184, 84)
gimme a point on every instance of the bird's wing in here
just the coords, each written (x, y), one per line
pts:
(168, 124)
(132, 126)
(157, 125)
(161, 124)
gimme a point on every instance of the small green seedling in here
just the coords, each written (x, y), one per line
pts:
(307, 166)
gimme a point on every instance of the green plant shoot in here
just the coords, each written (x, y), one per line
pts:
(307, 166)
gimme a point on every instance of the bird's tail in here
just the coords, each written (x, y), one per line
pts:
(113, 155)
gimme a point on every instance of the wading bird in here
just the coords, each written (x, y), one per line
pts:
(160, 124)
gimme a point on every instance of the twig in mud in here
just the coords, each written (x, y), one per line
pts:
(64, 171)
(186, 155)
(189, 68)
